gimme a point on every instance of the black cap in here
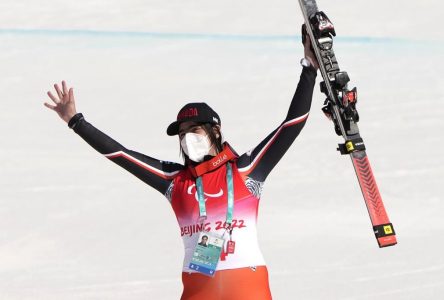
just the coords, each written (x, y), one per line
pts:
(198, 112)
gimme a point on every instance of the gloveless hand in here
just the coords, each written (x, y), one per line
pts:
(65, 105)
(309, 53)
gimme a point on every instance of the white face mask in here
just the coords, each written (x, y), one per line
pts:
(196, 146)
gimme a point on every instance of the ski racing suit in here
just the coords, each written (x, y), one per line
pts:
(242, 274)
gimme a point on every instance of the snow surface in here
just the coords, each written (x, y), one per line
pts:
(75, 226)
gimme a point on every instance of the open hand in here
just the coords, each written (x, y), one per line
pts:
(65, 105)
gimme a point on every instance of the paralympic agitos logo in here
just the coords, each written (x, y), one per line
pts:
(190, 192)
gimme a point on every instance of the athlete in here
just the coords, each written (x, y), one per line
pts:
(204, 241)
(215, 193)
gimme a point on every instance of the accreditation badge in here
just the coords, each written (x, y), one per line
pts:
(207, 253)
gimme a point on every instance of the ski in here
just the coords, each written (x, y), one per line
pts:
(340, 107)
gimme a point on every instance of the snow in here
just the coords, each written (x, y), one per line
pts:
(75, 226)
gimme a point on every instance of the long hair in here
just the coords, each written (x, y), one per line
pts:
(214, 141)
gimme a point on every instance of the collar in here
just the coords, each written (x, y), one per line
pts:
(220, 159)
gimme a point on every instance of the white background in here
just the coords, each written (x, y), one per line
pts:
(75, 226)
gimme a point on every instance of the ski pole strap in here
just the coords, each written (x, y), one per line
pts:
(383, 230)
(351, 146)
(230, 188)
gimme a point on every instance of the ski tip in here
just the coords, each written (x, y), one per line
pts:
(387, 241)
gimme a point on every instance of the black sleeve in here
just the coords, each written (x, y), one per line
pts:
(156, 173)
(258, 162)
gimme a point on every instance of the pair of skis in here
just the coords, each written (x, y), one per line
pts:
(340, 107)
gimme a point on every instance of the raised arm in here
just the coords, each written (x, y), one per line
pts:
(257, 163)
(156, 173)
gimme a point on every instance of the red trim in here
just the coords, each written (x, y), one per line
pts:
(264, 150)
(135, 161)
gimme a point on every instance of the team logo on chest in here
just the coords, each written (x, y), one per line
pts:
(190, 192)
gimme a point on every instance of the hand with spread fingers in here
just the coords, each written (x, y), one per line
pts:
(65, 105)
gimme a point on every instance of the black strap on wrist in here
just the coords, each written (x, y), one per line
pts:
(74, 120)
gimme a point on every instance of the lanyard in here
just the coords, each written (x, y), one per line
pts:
(201, 196)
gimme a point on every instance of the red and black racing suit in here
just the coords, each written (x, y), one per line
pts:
(177, 183)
